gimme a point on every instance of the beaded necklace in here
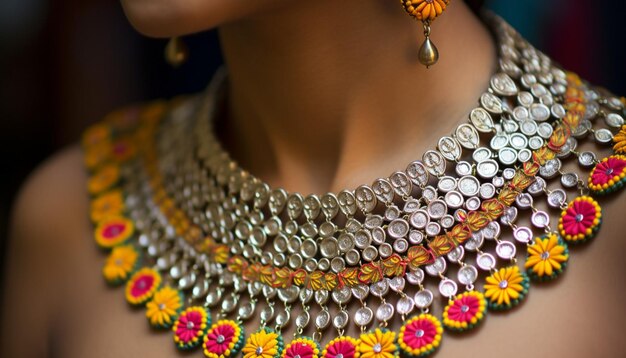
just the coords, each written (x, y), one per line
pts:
(205, 246)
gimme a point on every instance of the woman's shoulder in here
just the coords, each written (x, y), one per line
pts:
(49, 236)
(46, 215)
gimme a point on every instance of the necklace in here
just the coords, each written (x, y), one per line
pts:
(205, 246)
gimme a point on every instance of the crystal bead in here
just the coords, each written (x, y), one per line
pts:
(400, 246)
(405, 305)
(456, 254)
(415, 277)
(380, 288)
(363, 316)
(437, 267)
(556, 198)
(340, 320)
(302, 320)
(423, 298)
(540, 219)
(322, 320)
(587, 159)
(505, 250)
(419, 219)
(398, 228)
(447, 288)
(384, 312)
(467, 274)
(485, 261)
(475, 242)
(360, 292)
(397, 284)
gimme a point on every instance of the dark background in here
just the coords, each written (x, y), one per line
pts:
(65, 64)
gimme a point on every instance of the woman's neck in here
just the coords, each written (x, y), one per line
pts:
(329, 94)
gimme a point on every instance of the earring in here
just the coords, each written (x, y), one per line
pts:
(176, 52)
(426, 11)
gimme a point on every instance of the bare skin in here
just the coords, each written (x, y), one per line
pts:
(325, 64)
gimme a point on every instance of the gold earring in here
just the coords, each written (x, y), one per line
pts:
(426, 11)
(176, 52)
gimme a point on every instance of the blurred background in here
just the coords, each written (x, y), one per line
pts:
(65, 64)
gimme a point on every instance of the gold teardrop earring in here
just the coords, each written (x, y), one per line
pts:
(426, 11)
(176, 52)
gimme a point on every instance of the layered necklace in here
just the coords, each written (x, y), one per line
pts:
(205, 246)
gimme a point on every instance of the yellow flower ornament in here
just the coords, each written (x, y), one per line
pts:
(547, 257)
(265, 343)
(506, 288)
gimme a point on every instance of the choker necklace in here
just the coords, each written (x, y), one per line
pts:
(205, 246)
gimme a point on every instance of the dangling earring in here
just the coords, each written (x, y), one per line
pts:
(176, 52)
(426, 11)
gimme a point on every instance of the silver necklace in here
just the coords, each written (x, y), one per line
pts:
(412, 242)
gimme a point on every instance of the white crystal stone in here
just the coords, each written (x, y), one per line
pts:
(400, 246)
(397, 284)
(419, 219)
(398, 228)
(556, 198)
(472, 203)
(505, 250)
(509, 216)
(446, 184)
(475, 242)
(524, 155)
(485, 261)
(467, 274)
(384, 312)
(481, 119)
(405, 305)
(363, 316)
(447, 288)
(544, 130)
(437, 209)
(423, 298)
(415, 277)
(432, 229)
(437, 267)
(380, 288)
(603, 136)
(415, 237)
(540, 219)
(481, 154)
(487, 168)
(508, 173)
(341, 295)
(447, 221)
(524, 200)
(491, 231)
(614, 120)
(587, 159)
(569, 180)
(469, 185)
(360, 292)
(303, 319)
(463, 168)
(518, 141)
(456, 254)
(537, 186)
(454, 199)
(499, 141)
(322, 320)
(522, 234)
(340, 320)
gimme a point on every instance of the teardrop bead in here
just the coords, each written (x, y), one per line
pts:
(428, 53)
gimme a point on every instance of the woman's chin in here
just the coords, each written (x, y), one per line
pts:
(167, 18)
